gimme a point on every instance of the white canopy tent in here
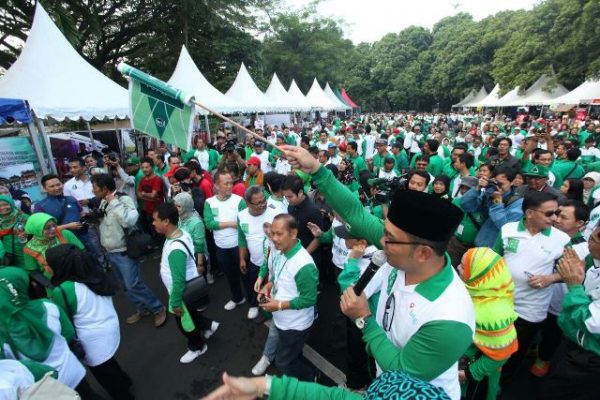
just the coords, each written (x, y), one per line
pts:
(329, 92)
(297, 97)
(318, 99)
(469, 97)
(509, 99)
(57, 81)
(487, 101)
(537, 95)
(244, 92)
(278, 95)
(188, 77)
(482, 94)
(586, 93)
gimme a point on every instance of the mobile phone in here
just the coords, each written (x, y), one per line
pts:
(529, 274)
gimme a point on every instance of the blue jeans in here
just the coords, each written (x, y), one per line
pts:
(271, 343)
(135, 289)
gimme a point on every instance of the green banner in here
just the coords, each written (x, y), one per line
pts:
(159, 109)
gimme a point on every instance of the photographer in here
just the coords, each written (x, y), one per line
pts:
(184, 184)
(125, 182)
(497, 199)
(120, 214)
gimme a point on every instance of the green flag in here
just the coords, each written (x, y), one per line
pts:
(159, 109)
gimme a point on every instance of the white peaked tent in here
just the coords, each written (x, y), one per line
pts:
(536, 95)
(318, 99)
(585, 93)
(482, 94)
(297, 97)
(279, 96)
(57, 81)
(468, 98)
(487, 101)
(188, 77)
(334, 98)
(509, 99)
(245, 92)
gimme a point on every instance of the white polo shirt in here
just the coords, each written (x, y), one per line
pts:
(252, 228)
(527, 255)
(81, 190)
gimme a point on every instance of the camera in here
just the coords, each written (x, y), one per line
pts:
(229, 146)
(492, 186)
(93, 217)
(112, 156)
(390, 186)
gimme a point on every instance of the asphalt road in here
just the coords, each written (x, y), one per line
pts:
(151, 356)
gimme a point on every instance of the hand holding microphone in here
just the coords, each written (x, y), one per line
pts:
(354, 303)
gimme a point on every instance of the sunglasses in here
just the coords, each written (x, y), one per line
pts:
(388, 315)
(548, 214)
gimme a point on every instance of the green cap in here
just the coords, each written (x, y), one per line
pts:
(536, 171)
(134, 160)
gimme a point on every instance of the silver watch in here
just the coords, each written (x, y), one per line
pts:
(362, 321)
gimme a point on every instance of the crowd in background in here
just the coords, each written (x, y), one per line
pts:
(514, 211)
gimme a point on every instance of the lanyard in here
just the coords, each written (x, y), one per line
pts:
(278, 274)
(391, 280)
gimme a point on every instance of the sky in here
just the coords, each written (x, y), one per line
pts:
(369, 20)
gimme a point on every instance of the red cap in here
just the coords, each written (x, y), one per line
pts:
(349, 129)
(254, 161)
(343, 146)
(396, 130)
(172, 171)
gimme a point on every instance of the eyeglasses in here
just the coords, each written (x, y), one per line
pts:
(386, 242)
(548, 214)
(260, 203)
(388, 314)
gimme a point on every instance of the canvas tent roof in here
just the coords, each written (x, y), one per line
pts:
(509, 99)
(342, 106)
(586, 93)
(57, 81)
(488, 100)
(297, 96)
(482, 94)
(188, 77)
(348, 100)
(279, 96)
(468, 98)
(339, 96)
(318, 99)
(245, 92)
(536, 94)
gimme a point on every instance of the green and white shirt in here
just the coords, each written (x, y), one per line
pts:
(429, 325)
(295, 278)
(527, 255)
(223, 211)
(251, 234)
(177, 267)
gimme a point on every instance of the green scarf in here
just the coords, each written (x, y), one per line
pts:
(491, 287)
(23, 321)
(8, 221)
(35, 226)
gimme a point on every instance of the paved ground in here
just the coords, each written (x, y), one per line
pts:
(151, 356)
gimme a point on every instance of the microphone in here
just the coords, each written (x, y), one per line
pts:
(377, 261)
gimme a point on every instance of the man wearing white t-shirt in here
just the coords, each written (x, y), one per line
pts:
(250, 238)
(531, 248)
(220, 215)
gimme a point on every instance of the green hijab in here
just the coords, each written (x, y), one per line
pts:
(23, 321)
(35, 226)
(8, 221)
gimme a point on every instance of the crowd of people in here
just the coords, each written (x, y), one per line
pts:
(489, 226)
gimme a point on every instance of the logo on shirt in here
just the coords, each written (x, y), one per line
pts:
(215, 212)
(512, 245)
(245, 228)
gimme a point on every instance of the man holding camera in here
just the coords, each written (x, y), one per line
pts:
(121, 214)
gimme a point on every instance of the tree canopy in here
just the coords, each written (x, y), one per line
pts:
(414, 69)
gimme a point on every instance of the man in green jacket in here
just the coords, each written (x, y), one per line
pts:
(414, 236)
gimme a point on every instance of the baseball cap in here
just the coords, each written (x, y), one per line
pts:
(536, 171)
(254, 161)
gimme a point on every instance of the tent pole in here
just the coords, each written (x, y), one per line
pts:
(42, 131)
(542, 111)
(87, 123)
(207, 128)
(38, 150)
(119, 137)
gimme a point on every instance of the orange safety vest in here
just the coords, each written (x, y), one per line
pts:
(39, 257)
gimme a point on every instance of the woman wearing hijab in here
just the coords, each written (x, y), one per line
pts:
(37, 330)
(441, 187)
(12, 234)
(45, 235)
(190, 221)
(388, 385)
(346, 174)
(590, 180)
(85, 292)
(491, 287)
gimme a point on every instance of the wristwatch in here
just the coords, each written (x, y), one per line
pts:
(268, 382)
(362, 321)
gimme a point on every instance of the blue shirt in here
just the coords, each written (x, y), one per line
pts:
(65, 209)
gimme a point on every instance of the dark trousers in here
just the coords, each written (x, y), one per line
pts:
(86, 392)
(212, 253)
(249, 278)
(357, 359)
(551, 337)
(229, 262)
(289, 359)
(195, 339)
(477, 390)
(113, 379)
(526, 334)
(574, 376)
